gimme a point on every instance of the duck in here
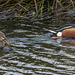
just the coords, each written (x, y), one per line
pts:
(3, 40)
(69, 33)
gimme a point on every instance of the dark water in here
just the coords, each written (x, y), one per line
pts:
(33, 52)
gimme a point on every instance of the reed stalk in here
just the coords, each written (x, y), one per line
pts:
(40, 5)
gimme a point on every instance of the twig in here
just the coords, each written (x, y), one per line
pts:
(72, 3)
(19, 3)
(58, 2)
(22, 6)
(53, 4)
(4, 4)
(36, 6)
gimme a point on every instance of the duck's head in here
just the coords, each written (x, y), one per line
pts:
(3, 40)
(58, 35)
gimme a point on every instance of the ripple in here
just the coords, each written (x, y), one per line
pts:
(34, 52)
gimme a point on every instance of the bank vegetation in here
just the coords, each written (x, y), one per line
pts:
(36, 7)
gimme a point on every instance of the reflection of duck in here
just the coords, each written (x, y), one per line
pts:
(70, 33)
(3, 40)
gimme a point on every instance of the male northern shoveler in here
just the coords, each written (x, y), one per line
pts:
(70, 33)
(3, 40)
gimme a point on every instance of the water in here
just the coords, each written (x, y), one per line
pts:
(33, 52)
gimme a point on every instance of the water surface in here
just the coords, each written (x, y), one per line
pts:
(33, 52)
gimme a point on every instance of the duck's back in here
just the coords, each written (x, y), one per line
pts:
(69, 33)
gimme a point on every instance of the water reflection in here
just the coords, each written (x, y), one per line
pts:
(66, 41)
(33, 50)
